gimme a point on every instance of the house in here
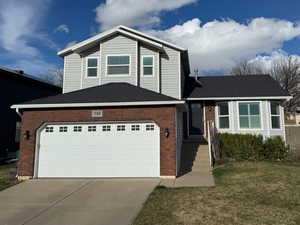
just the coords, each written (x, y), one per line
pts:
(128, 102)
(298, 116)
(17, 87)
(293, 118)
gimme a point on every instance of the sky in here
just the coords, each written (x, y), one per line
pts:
(217, 33)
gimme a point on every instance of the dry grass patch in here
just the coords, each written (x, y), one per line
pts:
(7, 176)
(246, 193)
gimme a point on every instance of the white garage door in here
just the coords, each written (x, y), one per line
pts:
(99, 150)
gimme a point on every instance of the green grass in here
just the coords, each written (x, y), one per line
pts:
(7, 178)
(245, 193)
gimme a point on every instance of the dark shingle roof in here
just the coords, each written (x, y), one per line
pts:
(107, 93)
(233, 86)
(21, 76)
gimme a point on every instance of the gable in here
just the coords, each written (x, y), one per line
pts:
(150, 40)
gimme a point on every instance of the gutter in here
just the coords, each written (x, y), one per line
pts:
(75, 105)
(243, 98)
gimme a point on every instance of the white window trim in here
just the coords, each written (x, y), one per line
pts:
(86, 67)
(118, 75)
(270, 117)
(229, 115)
(260, 114)
(142, 66)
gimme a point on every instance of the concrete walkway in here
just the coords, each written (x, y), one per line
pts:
(74, 202)
(195, 156)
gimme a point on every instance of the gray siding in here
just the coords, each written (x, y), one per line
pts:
(119, 45)
(72, 73)
(182, 77)
(149, 82)
(170, 73)
(266, 129)
(166, 80)
(90, 82)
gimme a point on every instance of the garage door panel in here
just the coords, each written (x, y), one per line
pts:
(100, 153)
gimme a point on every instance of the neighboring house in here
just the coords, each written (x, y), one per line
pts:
(298, 116)
(15, 88)
(293, 118)
(128, 102)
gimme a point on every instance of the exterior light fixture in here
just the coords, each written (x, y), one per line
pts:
(26, 135)
(166, 132)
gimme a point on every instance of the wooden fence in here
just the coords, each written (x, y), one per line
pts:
(293, 140)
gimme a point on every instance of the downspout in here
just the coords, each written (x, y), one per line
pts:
(18, 112)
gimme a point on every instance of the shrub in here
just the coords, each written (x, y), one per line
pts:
(275, 149)
(251, 147)
(241, 146)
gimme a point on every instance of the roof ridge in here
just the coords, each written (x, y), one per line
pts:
(27, 76)
(229, 75)
(151, 40)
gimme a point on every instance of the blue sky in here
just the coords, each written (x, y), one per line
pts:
(218, 33)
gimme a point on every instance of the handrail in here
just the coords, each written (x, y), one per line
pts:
(209, 142)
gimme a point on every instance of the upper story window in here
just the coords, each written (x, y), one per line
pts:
(118, 65)
(223, 115)
(92, 67)
(249, 115)
(275, 115)
(148, 62)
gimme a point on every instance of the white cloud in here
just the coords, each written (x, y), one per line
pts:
(19, 21)
(20, 31)
(141, 13)
(266, 61)
(62, 28)
(35, 67)
(219, 45)
(71, 44)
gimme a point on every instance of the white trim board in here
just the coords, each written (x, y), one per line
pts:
(244, 98)
(260, 116)
(78, 47)
(151, 37)
(118, 75)
(97, 67)
(142, 66)
(230, 116)
(72, 105)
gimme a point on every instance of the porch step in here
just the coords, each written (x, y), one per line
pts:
(195, 156)
(195, 168)
(197, 140)
(202, 161)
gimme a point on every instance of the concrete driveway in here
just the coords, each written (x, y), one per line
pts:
(74, 202)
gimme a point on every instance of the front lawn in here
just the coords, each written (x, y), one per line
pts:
(7, 176)
(245, 193)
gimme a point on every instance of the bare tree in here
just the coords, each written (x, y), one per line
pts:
(247, 68)
(55, 77)
(286, 71)
(59, 76)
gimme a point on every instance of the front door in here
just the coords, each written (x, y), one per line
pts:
(195, 119)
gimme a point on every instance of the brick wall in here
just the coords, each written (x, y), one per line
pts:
(164, 116)
(209, 108)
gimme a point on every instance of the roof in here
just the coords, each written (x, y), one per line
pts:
(20, 75)
(246, 86)
(111, 94)
(154, 42)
